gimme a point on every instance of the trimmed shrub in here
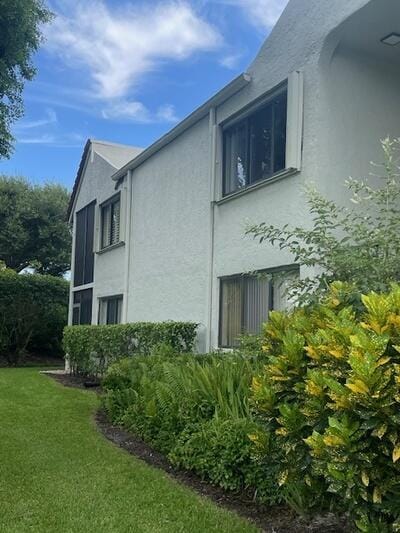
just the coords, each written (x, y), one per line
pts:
(91, 349)
(195, 409)
(33, 313)
(330, 395)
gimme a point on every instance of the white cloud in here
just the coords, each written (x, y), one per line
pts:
(167, 113)
(68, 140)
(230, 61)
(118, 47)
(261, 13)
(138, 112)
(50, 118)
(41, 139)
(135, 111)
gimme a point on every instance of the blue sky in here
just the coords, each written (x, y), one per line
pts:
(128, 71)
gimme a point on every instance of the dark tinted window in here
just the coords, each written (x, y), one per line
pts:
(110, 310)
(255, 147)
(84, 239)
(82, 307)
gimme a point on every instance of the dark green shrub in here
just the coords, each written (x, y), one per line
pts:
(195, 409)
(91, 349)
(33, 313)
(221, 451)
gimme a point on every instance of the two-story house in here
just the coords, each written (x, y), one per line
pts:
(159, 234)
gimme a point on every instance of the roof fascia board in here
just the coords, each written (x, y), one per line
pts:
(224, 94)
(77, 185)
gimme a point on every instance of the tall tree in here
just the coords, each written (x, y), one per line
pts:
(20, 37)
(33, 228)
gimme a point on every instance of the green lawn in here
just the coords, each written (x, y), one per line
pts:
(59, 474)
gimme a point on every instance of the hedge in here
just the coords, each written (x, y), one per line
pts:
(33, 313)
(91, 349)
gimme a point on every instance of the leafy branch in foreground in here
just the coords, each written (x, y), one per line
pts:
(357, 243)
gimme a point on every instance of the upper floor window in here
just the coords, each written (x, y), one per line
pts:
(84, 253)
(255, 146)
(246, 300)
(110, 221)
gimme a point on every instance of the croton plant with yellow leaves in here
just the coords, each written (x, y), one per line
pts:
(330, 393)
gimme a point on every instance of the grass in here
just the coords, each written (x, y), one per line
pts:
(59, 474)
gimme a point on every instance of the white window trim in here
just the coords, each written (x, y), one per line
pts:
(294, 124)
(103, 299)
(98, 223)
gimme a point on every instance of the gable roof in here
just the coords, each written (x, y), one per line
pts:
(117, 155)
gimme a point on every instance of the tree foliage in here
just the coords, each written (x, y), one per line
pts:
(33, 228)
(357, 243)
(33, 313)
(20, 37)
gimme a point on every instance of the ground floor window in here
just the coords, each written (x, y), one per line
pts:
(246, 300)
(82, 307)
(110, 310)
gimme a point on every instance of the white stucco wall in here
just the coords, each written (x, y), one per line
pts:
(96, 184)
(361, 107)
(169, 231)
(350, 102)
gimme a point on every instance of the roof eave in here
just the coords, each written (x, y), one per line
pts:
(78, 179)
(224, 94)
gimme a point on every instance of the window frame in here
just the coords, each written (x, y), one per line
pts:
(105, 300)
(285, 269)
(243, 118)
(110, 202)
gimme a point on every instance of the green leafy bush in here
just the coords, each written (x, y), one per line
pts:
(357, 243)
(196, 410)
(330, 395)
(33, 313)
(90, 349)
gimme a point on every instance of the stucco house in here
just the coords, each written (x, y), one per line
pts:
(159, 233)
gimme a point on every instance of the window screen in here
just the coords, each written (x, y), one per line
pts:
(82, 307)
(84, 256)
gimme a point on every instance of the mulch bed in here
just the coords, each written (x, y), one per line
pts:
(77, 382)
(269, 519)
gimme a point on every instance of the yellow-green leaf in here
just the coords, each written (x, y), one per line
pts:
(358, 387)
(333, 441)
(282, 478)
(365, 478)
(382, 361)
(396, 453)
(377, 495)
(380, 431)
